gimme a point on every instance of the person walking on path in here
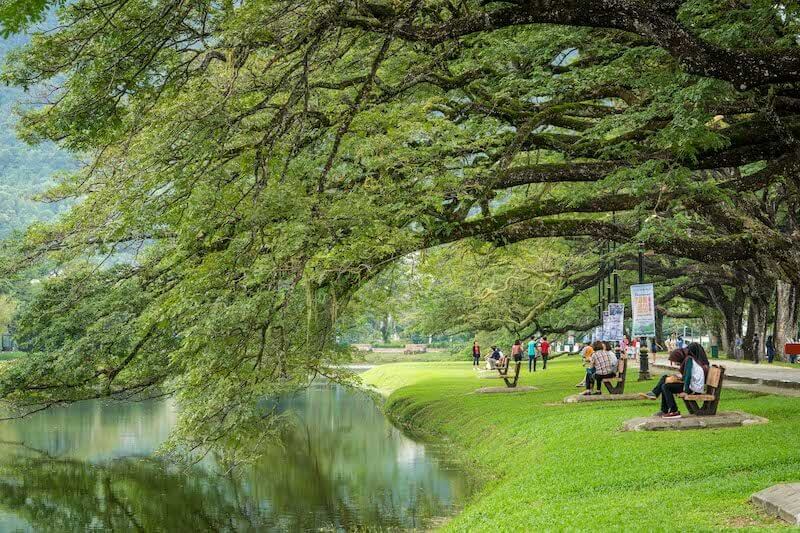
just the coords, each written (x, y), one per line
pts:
(691, 378)
(770, 349)
(532, 354)
(544, 347)
(516, 351)
(476, 354)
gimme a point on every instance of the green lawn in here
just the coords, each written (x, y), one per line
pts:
(553, 466)
(10, 356)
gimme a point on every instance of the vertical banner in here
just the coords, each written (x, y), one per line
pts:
(616, 322)
(606, 332)
(643, 307)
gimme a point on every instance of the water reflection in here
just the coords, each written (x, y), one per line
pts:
(340, 466)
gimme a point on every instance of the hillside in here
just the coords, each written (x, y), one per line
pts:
(24, 170)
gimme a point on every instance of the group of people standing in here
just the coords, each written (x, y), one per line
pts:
(536, 349)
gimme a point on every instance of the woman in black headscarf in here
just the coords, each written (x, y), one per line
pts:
(681, 383)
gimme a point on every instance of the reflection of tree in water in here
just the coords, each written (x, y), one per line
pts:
(343, 464)
(122, 495)
(337, 467)
(146, 495)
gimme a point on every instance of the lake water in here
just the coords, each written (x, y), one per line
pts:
(341, 466)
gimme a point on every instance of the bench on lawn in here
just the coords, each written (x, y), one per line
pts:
(616, 385)
(711, 397)
(503, 374)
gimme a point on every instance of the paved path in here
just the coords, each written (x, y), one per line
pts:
(762, 374)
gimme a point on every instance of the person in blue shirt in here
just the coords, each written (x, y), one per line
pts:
(532, 354)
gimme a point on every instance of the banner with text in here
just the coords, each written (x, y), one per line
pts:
(606, 331)
(616, 322)
(643, 308)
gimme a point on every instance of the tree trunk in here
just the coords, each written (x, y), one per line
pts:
(785, 315)
(384, 329)
(732, 311)
(725, 344)
(756, 329)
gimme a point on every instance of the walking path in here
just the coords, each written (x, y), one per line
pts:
(747, 376)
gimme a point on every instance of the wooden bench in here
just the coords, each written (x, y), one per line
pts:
(503, 374)
(616, 385)
(711, 397)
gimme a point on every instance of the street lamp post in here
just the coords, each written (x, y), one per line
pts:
(644, 352)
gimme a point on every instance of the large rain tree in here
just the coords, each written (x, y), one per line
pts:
(258, 161)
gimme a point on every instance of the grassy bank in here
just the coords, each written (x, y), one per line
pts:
(553, 466)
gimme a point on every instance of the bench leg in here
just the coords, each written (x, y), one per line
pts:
(615, 389)
(709, 408)
(691, 406)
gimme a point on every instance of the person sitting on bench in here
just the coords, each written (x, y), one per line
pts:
(586, 357)
(503, 361)
(691, 378)
(493, 359)
(603, 365)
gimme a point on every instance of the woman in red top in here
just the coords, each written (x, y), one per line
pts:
(476, 354)
(544, 347)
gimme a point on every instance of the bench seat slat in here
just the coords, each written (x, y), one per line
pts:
(700, 397)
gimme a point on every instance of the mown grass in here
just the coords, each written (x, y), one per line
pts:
(10, 356)
(553, 466)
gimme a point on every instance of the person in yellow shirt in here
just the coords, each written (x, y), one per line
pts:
(586, 354)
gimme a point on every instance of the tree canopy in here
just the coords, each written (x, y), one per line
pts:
(266, 159)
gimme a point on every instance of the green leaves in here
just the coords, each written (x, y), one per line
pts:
(18, 15)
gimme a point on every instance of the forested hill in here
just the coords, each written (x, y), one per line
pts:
(24, 170)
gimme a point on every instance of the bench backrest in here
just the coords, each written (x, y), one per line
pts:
(713, 376)
(714, 381)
